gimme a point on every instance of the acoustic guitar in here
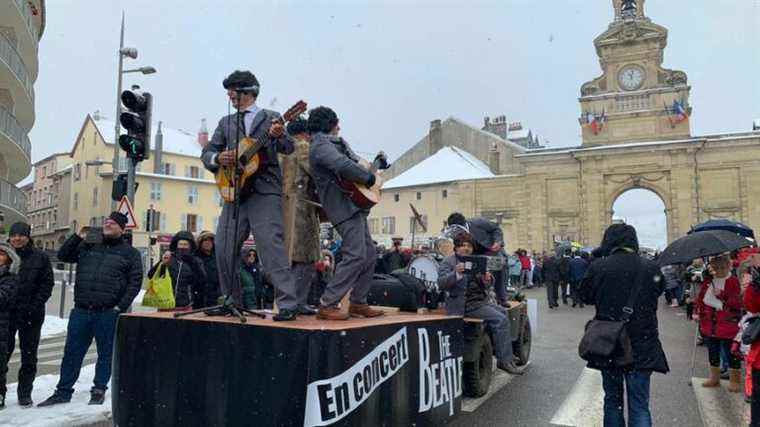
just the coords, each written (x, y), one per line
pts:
(231, 179)
(364, 197)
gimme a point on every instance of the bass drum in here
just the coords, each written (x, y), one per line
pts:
(425, 269)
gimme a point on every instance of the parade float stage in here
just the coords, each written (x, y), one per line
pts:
(399, 369)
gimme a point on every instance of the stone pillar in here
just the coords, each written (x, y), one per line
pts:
(493, 160)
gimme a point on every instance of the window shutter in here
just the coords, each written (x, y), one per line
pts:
(184, 222)
(173, 169)
(187, 171)
(162, 224)
(200, 223)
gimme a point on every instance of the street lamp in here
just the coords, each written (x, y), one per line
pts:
(129, 52)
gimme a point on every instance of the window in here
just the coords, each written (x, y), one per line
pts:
(191, 222)
(155, 191)
(95, 196)
(389, 225)
(445, 193)
(192, 194)
(395, 197)
(414, 226)
(44, 171)
(168, 169)
(374, 225)
(419, 196)
(77, 172)
(76, 202)
(218, 200)
(155, 220)
(192, 172)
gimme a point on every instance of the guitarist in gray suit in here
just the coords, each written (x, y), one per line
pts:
(332, 161)
(260, 204)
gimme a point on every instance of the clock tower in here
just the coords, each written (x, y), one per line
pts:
(635, 99)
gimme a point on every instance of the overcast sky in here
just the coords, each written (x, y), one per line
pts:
(387, 67)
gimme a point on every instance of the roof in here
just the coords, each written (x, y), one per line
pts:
(448, 164)
(175, 141)
(756, 124)
(518, 134)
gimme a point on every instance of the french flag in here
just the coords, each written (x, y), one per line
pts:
(679, 111)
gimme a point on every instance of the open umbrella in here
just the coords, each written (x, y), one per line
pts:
(724, 224)
(702, 244)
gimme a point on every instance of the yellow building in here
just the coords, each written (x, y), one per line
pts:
(22, 23)
(175, 183)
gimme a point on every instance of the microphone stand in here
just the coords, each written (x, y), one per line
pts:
(232, 305)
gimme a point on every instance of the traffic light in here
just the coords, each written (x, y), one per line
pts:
(137, 121)
(119, 188)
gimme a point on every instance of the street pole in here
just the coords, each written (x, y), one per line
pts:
(117, 127)
(131, 168)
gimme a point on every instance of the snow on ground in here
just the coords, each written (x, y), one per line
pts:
(54, 325)
(77, 412)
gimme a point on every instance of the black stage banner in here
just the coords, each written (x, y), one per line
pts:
(195, 372)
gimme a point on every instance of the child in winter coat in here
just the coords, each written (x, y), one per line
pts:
(9, 265)
(718, 310)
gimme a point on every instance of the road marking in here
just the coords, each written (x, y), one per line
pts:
(584, 404)
(718, 407)
(88, 358)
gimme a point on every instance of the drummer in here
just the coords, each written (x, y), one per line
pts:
(394, 259)
(468, 296)
(488, 239)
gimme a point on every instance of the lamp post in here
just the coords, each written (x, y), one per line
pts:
(129, 52)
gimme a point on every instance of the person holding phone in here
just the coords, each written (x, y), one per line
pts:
(467, 295)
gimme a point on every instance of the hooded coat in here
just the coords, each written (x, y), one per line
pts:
(187, 273)
(9, 286)
(213, 289)
(608, 284)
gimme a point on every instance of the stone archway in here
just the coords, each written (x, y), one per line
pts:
(657, 191)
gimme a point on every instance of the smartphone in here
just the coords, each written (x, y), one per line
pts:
(94, 235)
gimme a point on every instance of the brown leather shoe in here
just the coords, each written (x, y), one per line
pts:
(331, 313)
(363, 310)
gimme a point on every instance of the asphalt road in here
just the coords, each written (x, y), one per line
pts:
(537, 398)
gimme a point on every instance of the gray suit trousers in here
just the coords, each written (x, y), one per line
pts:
(262, 216)
(355, 269)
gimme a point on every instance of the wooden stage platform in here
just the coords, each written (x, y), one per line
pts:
(399, 369)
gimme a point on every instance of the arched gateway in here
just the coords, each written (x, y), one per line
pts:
(636, 134)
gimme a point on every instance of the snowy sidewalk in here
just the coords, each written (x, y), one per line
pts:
(75, 413)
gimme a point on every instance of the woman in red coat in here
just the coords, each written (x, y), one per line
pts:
(752, 305)
(719, 310)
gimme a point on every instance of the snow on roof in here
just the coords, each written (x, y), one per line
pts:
(448, 164)
(518, 134)
(175, 141)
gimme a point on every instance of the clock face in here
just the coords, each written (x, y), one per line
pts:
(631, 77)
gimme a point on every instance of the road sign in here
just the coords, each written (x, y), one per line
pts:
(126, 208)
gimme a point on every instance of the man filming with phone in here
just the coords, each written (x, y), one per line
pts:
(467, 284)
(109, 276)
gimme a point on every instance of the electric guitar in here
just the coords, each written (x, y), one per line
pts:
(250, 158)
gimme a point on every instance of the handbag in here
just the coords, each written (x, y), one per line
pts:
(159, 293)
(751, 331)
(606, 343)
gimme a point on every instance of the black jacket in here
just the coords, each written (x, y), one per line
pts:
(109, 274)
(35, 281)
(213, 291)
(551, 270)
(485, 233)
(8, 290)
(563, 263)
(187, 273)
(608, 284)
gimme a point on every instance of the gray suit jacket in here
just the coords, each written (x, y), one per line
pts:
(269, 179)
(457, 288)
(332, 160)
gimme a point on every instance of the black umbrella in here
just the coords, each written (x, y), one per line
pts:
(724, 224)
(702, 244)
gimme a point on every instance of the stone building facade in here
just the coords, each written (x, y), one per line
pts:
(636, 134)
